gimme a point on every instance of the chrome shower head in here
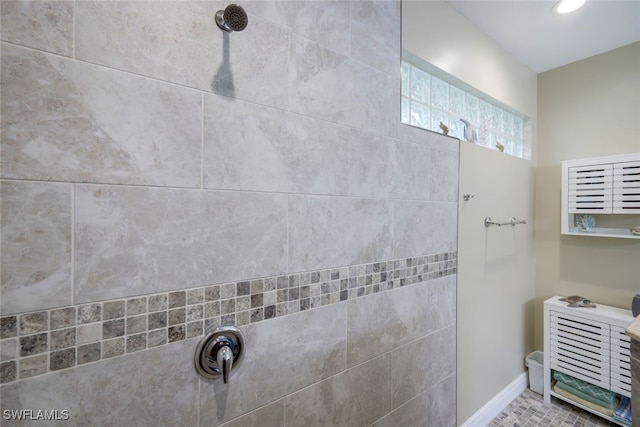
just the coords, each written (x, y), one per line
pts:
(232, 18)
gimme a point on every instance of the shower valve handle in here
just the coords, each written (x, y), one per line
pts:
(219, 351)
(224, 357)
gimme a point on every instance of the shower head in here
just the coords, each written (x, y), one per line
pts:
(232, 18)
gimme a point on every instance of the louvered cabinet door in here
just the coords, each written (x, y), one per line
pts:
(590, 189)
(580, 347)
(626, 187)
(620, 361)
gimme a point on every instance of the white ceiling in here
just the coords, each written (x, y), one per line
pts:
(530, 32)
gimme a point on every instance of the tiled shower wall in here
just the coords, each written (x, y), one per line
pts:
(161, 177)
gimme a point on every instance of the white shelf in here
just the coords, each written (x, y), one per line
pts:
(586, 408)
(622, 233)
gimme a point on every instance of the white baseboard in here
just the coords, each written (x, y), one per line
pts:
(492, 408)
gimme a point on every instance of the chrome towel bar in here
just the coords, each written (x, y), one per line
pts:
(513, 221)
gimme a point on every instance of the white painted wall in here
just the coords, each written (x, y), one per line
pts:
(496, 286)
(590, 108)
(436, 32)
(496, 268)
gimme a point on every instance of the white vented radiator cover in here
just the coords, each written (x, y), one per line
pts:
(580, 348)
(589, 344)
(620, 361)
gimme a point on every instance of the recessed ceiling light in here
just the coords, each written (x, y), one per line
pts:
(566, 6)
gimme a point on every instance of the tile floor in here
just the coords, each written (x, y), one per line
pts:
(530, 410)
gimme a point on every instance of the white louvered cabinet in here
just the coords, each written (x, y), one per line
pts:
(589, 344)
(603, 187)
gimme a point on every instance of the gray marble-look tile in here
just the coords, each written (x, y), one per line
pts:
(212, 309)
(62, 338)
(330, 86)
(30, 323)
(33, 366)
(383, 167)
(90, 124)
(91, 392)
(177, 299)
(195, 329)
(113, 310)
(425, 137)
(157, 337)
(44, 25)
(212, 293)
(157, 302)
(136, 324)
(8, 349)
(176, 333)
(36, 244)
(330, 231)
(315, 349)
(423, 363)
(325, 22)
(131, 241)
(195, 312)
(8, 371)
(89, 313)
(243, 288)
(180, 42)
(89, 353)
(375, 35)
(136, 342)
(356, 397)
(195, 296)
(62, 318)
(89, 333)
(8, 326)
(421, 228)
(62, 359)
(251, 147)
(271, 415)
(34, 344)
(177, 316)
(136, 306)
(113, 347)
(157, 320)
(444, 176)
(381, 322)
(113, 328)
(434, 407)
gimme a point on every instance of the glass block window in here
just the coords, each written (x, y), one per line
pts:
(431, 103)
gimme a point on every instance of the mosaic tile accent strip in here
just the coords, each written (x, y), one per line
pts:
(33, 344)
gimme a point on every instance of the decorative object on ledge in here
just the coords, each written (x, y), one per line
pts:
(635, 230)
(584, 224)
(470, 133)
(512, 221)
(578, 301)
(445, 128)
(499, 147)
